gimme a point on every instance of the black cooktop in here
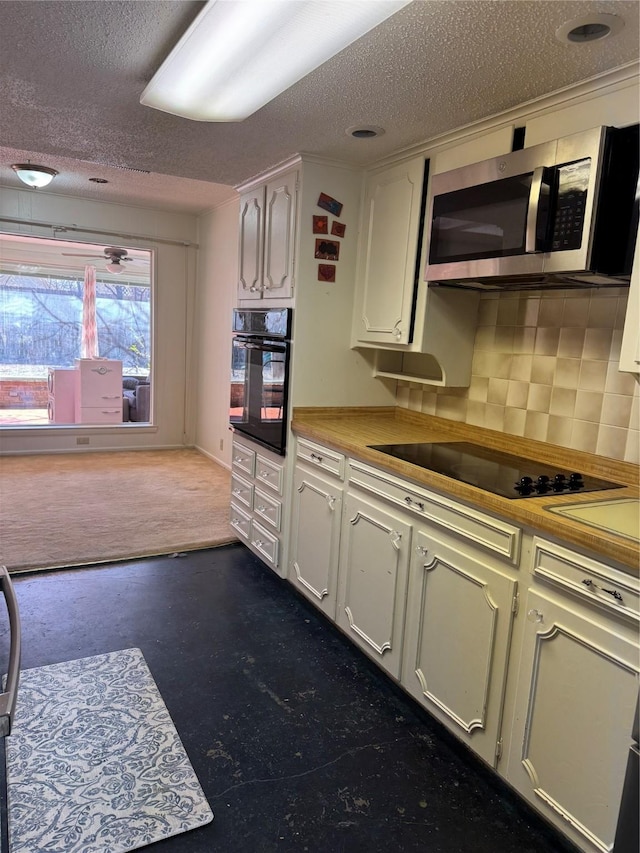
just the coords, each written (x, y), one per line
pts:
(493, 471)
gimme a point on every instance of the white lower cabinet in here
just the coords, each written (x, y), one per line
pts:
(458, 629)
(257, 485)
(576, 694)
(372, 579)
(429, 589)
(315, 537)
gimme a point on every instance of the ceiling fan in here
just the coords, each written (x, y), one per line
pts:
(116, 256)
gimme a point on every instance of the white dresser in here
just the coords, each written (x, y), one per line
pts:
(98, 391)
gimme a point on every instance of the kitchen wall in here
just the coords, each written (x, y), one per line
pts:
(545, 366)
(215, 299)
(174, 284)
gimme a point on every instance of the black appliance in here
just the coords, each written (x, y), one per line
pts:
(261, 352)
(8, 697)
(500, 473)
(564, 211)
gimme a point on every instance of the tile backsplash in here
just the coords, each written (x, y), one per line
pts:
(545, 366)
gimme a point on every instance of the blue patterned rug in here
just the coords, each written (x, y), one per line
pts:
(94, 762)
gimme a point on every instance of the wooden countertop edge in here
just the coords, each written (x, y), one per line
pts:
(344, 430)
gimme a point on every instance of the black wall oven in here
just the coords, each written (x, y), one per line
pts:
(261, 352)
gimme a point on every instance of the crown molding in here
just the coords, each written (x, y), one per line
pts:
(625, 76)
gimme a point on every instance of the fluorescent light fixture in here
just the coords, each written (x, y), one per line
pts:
(34, 176)
(238, 55)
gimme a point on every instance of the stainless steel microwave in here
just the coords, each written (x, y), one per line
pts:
(564, 211)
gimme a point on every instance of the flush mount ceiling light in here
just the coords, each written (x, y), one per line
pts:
(237, 56)
(589, 28)
(34, 176)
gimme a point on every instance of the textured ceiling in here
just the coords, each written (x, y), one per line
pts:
(73, 72)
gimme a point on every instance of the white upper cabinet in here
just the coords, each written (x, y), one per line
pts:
(267, 240)
(251, 244)
(388, 252)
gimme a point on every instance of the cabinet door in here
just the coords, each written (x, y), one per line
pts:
(388, 254)
(279, 237)
(576, 696)
(315, 538)
(251, 244)
(372, 579)
(458, 629)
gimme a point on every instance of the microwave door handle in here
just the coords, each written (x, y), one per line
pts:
(532, 212)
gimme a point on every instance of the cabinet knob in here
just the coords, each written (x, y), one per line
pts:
(420, 549)
(316, 458)
(395, 539)
(535, 616)
(331, 501)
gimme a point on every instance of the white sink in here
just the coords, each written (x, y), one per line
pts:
(620, 515)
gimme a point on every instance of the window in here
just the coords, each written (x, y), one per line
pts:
(59, 303)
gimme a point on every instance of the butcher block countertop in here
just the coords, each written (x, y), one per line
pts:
(351, 430)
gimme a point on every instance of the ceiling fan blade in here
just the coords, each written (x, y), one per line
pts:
(76, 255)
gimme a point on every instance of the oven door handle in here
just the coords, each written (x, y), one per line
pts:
(262, 347)
(8, 698)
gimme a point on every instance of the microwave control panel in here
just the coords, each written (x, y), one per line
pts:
(568, 223)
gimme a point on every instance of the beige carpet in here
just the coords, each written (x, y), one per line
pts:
(73, 509)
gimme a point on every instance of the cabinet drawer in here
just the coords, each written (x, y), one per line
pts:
(593, 582)
(265, 543)
(243, 459)
(107, 414)
(321, 457)
(484, 531)
(269, 474)
(241, 491)
(267, 508)
(240, 521)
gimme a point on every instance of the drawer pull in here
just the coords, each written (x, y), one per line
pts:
(237, 492)
(258, 543)
(264, 475)
(395, 539)
(331, 502)
(317, 458)
(410, 502)
(614, 592)
(261, 508)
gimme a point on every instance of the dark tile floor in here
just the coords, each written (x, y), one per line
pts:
(299, 742)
